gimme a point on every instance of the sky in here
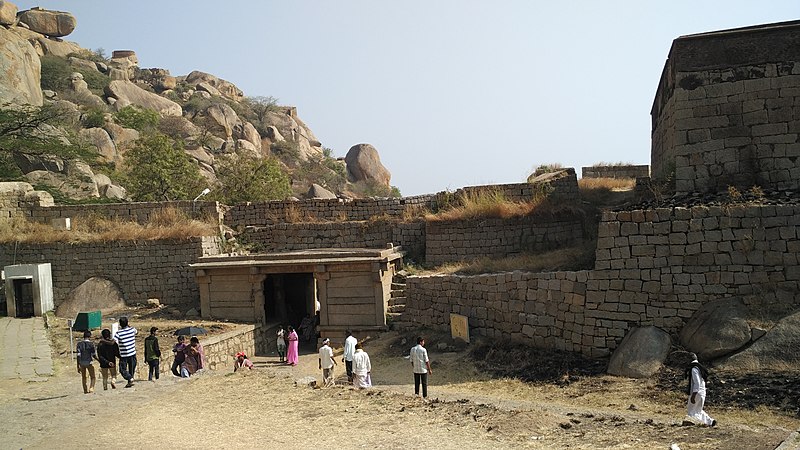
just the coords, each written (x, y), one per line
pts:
(452, 93)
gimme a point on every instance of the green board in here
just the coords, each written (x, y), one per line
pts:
(88, 321)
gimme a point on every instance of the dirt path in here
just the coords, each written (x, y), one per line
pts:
(264, 408)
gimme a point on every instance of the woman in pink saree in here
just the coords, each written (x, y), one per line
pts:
(291, 354)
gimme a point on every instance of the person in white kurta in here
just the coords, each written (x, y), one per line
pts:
(361, 368)
(697, 394)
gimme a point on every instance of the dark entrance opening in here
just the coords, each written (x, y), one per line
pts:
(289, 297)
(23, 297)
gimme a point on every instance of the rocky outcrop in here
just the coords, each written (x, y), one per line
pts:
(158, 79)
(124, 138)
(20, 69)
(100, 139)
(49, 23)
(77, 180)
(93, 294)
(8, 13)
(641, 353)
(223, 119)
(82, 95)
(776, 350)
(291, 128)
(123, 65)
(128, 93)
(224, 88)
(364, 164)
(717, 329)
(317, 191)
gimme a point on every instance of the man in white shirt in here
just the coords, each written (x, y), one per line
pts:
(361, 368)
(697, 393)
(326, 362)
(422, 367)
(349, 352)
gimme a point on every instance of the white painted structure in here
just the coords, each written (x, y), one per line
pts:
(34, 283)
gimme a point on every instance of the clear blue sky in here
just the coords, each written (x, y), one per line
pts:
(451, 93)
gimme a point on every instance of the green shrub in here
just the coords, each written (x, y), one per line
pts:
(94, 118)
(244, 178)
(140, 119)
(56, 72)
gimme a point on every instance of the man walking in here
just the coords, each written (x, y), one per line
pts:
(326, 362)
(107, 354)
(152, 354)
(422, 367)
(126, 339)
(86, 353)
(698, 375)
(349, 352)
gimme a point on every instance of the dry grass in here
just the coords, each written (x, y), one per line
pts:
(168, 223)
(606, 191)
(489, 203)
(572, 258)
(610, 184)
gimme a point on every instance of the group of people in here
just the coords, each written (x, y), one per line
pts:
(119, 350)
(359, 367)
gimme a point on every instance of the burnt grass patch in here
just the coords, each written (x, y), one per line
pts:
(771, 389)
(535, 365)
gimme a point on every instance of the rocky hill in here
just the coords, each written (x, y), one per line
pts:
(114, 114)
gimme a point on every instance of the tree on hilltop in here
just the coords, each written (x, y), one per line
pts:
(244, 178)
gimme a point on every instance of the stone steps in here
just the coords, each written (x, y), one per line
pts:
(397, 301)
(397, 308)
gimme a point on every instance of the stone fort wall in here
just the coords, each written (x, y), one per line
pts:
(727, 111)
(616, 171)
(654, 267)
(135, 212)
(142, 270)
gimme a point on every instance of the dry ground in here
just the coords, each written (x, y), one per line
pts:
(469, 409)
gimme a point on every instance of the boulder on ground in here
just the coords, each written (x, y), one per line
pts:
(776, 350)
(641, 353)
(192, 313)
(93, 294)
(129, 93)
(49, 23)
(8, 13)
(317, 191)
(717, 329)
(364, 164)
(22, 72)
(114, 192)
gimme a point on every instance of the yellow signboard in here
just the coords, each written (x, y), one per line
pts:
(459, 326)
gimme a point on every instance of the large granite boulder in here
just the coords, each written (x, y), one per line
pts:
(225, 88)
(317, 191)
(20, 69)
(289, 127)
(127, 93)
(364, 164)
(124, 138)
(223, 119)
(49, 23)
(776, 350)
(250, 134)
(80, 94)
(8, 13)
(93, 294)
(32, 163)
(76, 181)
(641, 353)
(100, 139)
(58, 48)
(717, 329)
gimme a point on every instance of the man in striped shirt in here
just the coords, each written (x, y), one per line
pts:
(126, 339)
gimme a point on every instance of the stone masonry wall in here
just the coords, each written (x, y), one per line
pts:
(142, 270)
(654, 267)
(450, 241)
(616, 171)
(17, 199)
(304, 236)
(137, 212)
(727, 111)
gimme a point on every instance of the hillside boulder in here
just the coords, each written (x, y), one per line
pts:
(717, 329)
(76, 181)
(364, 164)
(8, 13)
(128, 93)
(21, 70)
(224, 88)
(49, 23)
(223, 119)
(641, 353)
(317, 191)
(776, 350)
(100, 139)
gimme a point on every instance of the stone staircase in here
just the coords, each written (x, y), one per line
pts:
(397, 303)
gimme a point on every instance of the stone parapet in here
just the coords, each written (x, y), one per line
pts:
(616, 171)
(133, 212)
